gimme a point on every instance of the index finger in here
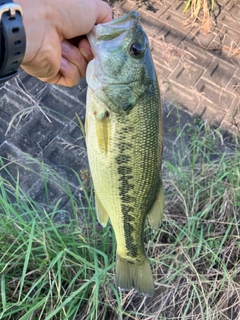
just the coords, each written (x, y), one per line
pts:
(105, 14)
(80, 17)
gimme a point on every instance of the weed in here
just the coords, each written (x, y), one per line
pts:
(66, 271)
(200, 11)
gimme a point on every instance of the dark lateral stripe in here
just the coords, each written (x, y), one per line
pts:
(127, 200)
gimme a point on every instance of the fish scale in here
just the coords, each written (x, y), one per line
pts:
(124, 145)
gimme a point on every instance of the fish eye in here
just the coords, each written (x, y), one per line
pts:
(136, 50)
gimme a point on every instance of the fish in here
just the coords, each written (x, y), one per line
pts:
(124, 140)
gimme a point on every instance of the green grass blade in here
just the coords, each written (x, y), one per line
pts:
(26, 262)
(3, 292)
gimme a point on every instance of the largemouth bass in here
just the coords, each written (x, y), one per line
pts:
(124, 142)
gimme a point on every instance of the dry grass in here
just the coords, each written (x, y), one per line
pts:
(50, 271)
(200, 13)
(65, 271)
(169, 50)
(34, 102)
(195, 255)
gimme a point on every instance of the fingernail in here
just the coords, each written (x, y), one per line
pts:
(88, 55)
(84, 53)
(64, 63)
(85, 49)
(65, 46)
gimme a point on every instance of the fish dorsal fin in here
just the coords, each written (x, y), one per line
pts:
(156, 212)
(102, 214)
(103, 131)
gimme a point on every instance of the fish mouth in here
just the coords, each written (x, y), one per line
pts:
(112, 29)
(129, 16)
(106, 39)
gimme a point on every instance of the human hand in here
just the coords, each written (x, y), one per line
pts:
(48, 23)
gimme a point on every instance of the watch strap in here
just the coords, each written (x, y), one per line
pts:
(12, 39)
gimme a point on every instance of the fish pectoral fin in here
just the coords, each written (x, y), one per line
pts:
(156, 212)
(102, 214)
(131, 275)
(103, 132)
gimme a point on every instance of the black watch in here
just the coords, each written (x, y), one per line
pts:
(12, 39)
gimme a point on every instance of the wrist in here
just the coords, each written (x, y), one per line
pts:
(29, 21)
(12, 39)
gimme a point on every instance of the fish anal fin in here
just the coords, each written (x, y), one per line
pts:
(156, 212)
(131, 275)
(102, 214)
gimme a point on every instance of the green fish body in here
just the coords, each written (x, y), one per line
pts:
(124, 142)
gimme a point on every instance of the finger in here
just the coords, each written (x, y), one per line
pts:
(73, 64)
(91, 12)
(85, 49)
(69, 70)
(67, 76)
(104, 13)
(69, 73)
(74, 56)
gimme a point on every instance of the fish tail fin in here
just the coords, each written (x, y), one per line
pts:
(138, 276)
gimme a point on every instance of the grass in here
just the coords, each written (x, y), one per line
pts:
(51, 271)
(66, 270)
(200, 12)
